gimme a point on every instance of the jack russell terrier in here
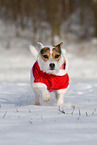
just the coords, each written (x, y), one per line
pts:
(49, 73)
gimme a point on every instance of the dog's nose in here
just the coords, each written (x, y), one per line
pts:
(52, 66)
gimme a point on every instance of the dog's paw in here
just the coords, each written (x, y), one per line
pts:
(37, 103)
(46, 96)
(46, 99)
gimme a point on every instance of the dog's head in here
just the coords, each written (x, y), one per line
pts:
(51, 58)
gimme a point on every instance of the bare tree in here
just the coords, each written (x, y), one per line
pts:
(67, 13)
(94, 6)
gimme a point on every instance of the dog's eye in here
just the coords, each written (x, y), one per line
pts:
(56, 56)
(45, 56)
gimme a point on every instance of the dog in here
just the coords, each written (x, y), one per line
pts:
(49, 73)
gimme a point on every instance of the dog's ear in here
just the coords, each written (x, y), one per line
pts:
(33, 51)
(40, 44)
(59, 45)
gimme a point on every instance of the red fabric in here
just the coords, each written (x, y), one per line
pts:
(63, 66)
(52, 82)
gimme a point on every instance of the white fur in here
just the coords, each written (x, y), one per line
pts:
(40, 89)
(45, 65)
(41, 45)
(34, 52)
(60, 96)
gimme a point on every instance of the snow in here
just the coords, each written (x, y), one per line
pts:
(21, 122)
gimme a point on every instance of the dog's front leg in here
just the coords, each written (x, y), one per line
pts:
(41, 91)
(60, 96)
(37, 96)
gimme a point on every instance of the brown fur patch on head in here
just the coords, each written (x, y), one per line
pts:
(57, 52)
(59, 45)
(45, 53)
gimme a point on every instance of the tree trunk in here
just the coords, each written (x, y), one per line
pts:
(34, 20)
(22, 10)
(67, 11)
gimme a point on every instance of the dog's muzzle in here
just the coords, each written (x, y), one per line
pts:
(52, 66)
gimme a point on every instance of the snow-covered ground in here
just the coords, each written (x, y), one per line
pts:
(75, 123)
(21, 122)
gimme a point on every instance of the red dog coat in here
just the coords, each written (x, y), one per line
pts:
(52, 82)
